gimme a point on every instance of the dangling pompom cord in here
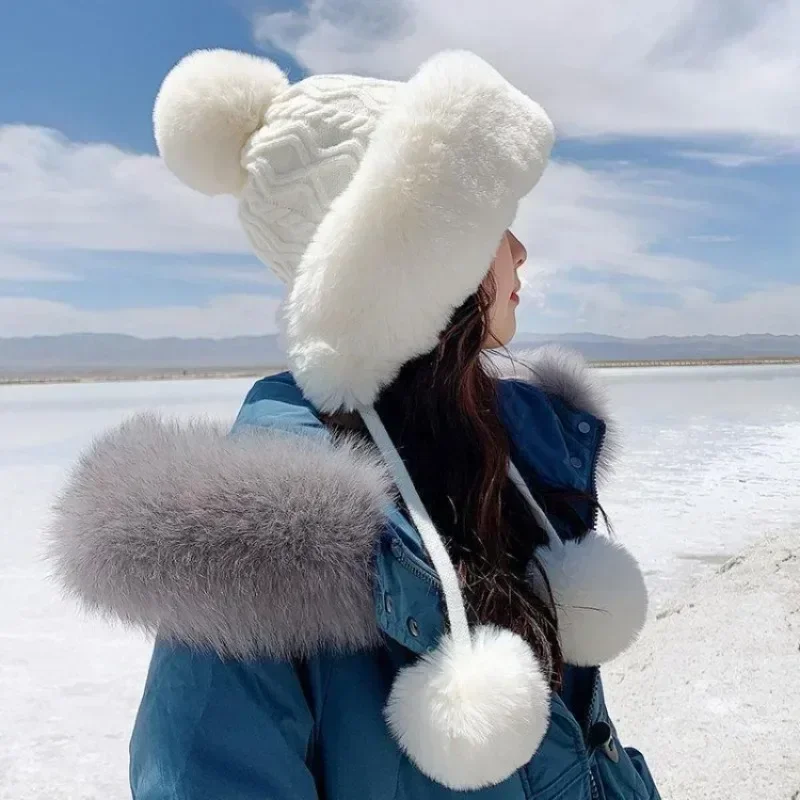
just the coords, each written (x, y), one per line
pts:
(476, 709)
(598, 588)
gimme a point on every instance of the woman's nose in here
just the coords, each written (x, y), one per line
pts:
(518, 251)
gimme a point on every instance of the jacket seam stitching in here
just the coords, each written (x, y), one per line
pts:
(322, 705)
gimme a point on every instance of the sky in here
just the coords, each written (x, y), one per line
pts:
(670, 205)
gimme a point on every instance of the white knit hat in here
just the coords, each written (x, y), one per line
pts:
(380, 204)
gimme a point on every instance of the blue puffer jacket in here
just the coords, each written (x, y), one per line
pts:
(269, 680)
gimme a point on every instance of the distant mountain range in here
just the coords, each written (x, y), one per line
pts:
(93, 353)
(103, 352)
(596, 347)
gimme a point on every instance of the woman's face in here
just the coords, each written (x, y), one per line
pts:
(509, 258)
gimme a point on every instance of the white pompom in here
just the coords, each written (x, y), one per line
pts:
(600, 595)
(469, 717)
(209, 104)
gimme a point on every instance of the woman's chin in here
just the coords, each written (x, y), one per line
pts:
(496, 340)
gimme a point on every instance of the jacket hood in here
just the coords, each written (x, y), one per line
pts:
(563, 374)
(255, 544)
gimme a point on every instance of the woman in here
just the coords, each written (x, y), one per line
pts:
(386, 582)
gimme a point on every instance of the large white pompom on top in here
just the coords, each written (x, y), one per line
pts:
(600, 596)
(468, 717)
(209, 104)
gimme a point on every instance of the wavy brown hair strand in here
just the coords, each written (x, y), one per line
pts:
(442, 415)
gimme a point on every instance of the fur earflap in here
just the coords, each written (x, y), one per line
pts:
(600, 596)
(209, 104)
(257, 544)
(469, 716)
(415, 231)
(564, 373)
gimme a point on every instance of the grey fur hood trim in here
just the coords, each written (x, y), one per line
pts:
(258, 544)
(565, 374)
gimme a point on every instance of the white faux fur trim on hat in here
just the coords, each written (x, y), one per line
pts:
(414, 233)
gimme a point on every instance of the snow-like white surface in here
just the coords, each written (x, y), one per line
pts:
(711, 463)
(712, 691)
(69, 686)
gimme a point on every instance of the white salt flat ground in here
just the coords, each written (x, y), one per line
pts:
(711, 691)
(710, 463)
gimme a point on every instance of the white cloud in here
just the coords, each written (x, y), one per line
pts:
(728, 160)
(610, 310)
(17, 268)
(600, 308)
(714, 238)
(223, 316)
(260, 275)
(662, 67)
(61, 194)
(608, 222)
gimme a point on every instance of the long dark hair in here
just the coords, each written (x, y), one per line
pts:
(441, 413)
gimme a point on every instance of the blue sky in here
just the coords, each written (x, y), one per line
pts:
(670, 207)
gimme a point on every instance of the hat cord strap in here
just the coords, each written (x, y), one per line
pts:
(554, 541)
(451, 589)
(454, 601)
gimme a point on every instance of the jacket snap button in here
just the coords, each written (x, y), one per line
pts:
(602, 738)
(584, 427)
(413, 628)
(388, 603)
(397, 548)
(576, 462)
(599, 734)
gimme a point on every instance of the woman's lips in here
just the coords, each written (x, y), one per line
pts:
(514, 297)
